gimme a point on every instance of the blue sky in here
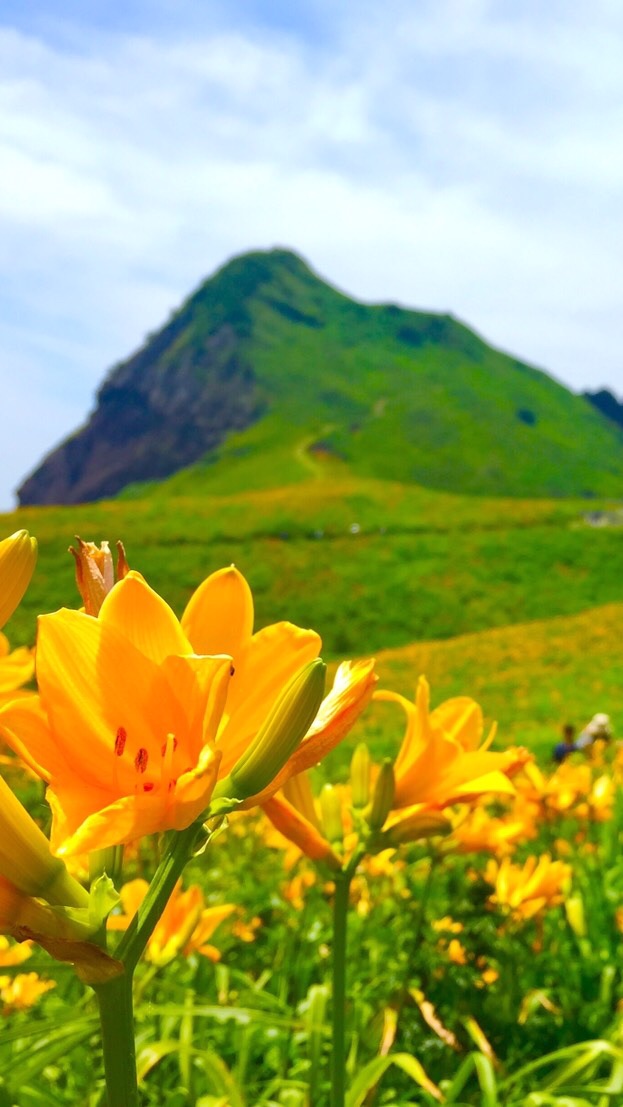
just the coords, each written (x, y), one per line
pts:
(454, 155)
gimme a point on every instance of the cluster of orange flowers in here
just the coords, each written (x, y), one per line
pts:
(142, 723)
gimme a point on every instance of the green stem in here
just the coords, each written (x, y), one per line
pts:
(115, 996)
(180, 850)
(117, 1023)
(338, 1043)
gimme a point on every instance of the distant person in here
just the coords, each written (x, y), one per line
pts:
(598, 729)
(567, 746)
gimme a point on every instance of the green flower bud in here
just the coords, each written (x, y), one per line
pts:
(360, 777)
(331, 814)
(282, 731)
(383, 797)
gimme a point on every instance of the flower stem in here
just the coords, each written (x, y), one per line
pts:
(116, 1019)
(179, 851)
(338, 1043)
(115, 996)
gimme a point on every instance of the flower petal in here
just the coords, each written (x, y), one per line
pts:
(143, 617)
(273, 657)
(352, 690)
(219, 615)
(289, 822)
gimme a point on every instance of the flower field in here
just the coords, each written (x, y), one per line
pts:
(226, 883)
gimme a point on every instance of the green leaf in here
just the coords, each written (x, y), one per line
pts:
(370, 1075)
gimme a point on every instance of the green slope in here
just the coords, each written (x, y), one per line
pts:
(370, 564)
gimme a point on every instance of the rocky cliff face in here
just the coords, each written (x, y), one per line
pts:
(155, 414)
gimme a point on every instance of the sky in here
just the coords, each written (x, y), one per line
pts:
(449, 155)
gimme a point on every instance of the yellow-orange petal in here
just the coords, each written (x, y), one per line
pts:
(289, 822)
(94, 681)
(351, 692)
(273, 658)
(132, 816)
(219, 615)
(16, 668)
(25, 728)
(142, 616)
(460, 718)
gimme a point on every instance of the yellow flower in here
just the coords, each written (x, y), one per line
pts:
(124, 725)
(185, 926)
(219, 620)
(527, 889)
(479, 832)
(441, 760)
(457, 953)
(134, 722)
(22, 991)
(16, 668)
(18, 555)
(13, 953)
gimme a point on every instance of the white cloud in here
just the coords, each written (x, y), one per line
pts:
(456, 155)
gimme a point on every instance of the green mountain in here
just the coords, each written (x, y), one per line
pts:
(266, 373)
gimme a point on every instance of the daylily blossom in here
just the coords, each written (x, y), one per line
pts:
(18, 555)
(124, 724)
(132, 727)
(480, 832)
(442, 761)
(22, 991)
(185, 926)
(527, 889)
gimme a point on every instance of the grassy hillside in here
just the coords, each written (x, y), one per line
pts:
(530, 678)
(370, 564)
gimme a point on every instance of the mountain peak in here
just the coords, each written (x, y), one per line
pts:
(398, 394)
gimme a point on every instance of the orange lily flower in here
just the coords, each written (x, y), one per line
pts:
(18, 555)
(441, 760)
(185, 926)
(22, 991)
(527, 889)
(219, 619)
(124, 724)
(480, 832)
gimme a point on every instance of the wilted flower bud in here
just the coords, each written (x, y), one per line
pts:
(95, 575)
(18, 555)
(279, 735)
(360, 777)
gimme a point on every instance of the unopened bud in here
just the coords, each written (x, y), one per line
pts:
(383, 797)
(360, 777)
(95, 574)
(26, 860)
(331, 814)
(18, 555)
(574, 909)
(278, 737)
(421, 824)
